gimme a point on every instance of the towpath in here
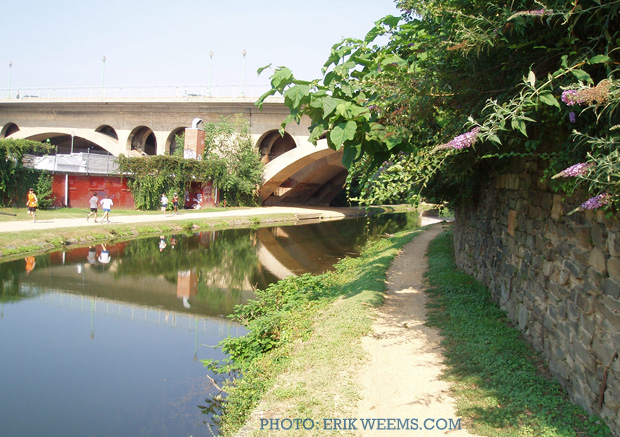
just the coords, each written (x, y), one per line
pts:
(402, 377)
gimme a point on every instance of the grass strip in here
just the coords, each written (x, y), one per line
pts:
(304, 341)
(16, 244)
(501, 384)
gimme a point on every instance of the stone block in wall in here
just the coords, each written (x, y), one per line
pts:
(557, 209)
(522, 317)
(536, 212)
(560, 275)
(603, 350)
(576, 269)
(598, 238)
(610, 287)
(548, 268)
(613, 267)
(606, 309)
(584, 302)
(598, 260)
(593, 278)
(583, 237)
(613, 243)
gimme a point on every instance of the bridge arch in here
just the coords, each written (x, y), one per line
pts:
(304, 176)
(83, 139)
(142, 139)
(171, 141)
(272, 145)
(8, 130)
(107, 130)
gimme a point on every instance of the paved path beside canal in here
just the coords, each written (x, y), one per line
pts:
(117, 217)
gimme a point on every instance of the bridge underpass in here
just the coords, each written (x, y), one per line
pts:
(296, 173)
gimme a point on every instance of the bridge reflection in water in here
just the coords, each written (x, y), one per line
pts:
(110, 338)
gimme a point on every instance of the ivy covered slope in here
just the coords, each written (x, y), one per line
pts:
(430, 103)
(230, 161)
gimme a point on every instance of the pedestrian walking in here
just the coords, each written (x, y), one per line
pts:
(93, 202)
(106, 204)
(175, 204)
(164, 203)
(32, 203)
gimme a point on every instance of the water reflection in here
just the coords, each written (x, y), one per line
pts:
(206, 273)
(112, 335)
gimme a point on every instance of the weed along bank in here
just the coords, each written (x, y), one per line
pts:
(556, 275)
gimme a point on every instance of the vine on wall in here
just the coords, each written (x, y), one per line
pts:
(230, 161)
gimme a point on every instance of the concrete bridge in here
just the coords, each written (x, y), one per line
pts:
(296, 171)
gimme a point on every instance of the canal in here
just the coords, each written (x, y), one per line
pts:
(109, 340)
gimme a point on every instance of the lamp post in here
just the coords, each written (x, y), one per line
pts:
(243, 74)
(210, 70)
(10, 68)
(103, 77)
(67, 175)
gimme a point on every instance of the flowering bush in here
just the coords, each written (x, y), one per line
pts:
(513, 80)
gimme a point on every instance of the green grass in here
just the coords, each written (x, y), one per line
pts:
(16, 244)
(21, 214)
(502, 386)
(319, 322)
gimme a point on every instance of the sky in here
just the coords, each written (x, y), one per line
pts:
(167, 43)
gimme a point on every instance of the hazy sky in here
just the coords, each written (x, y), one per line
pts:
(157, 42)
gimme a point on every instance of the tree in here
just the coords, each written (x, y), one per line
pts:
(462, 87)
(230, 141)
(230, 161)
(15, 179)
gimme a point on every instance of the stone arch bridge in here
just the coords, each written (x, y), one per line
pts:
(296, 171)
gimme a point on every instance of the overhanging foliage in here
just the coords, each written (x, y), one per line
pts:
(461, 88)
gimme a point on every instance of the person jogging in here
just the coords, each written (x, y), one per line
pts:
(175, 204)
(106, 204)
(164, 203)
(93, 202)
(32, 203)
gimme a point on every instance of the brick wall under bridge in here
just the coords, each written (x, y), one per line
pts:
(148, 126)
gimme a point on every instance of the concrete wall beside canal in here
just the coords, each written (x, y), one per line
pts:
(557, 276)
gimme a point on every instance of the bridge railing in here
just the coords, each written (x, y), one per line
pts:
(135, 92)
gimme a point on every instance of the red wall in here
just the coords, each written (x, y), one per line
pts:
(82, 187)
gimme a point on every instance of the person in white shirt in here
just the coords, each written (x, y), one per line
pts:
(106, 204)
(93, 202)
(104, 256)
(164, 203)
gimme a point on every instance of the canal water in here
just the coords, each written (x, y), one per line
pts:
(108, 340)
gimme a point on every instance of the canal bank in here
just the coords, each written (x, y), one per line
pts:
(20, 237)
(133, 301)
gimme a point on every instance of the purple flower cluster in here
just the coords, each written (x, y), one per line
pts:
(464, 140)
(572, 117)
(574, 170)
(571, 97)
(587, 96)
(595, 202)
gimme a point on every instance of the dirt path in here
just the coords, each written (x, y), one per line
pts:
(401, 379)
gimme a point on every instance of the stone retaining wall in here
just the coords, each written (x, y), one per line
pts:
(557, 276)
